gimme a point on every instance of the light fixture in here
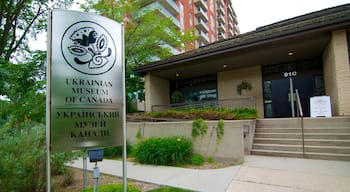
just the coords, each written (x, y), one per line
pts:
(224, 65)
(290, 53)
(177, 74)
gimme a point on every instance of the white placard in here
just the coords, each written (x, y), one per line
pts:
(320, 106)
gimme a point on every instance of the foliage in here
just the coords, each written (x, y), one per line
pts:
(22, 156)
(23, 85)
(113, 188)
(117, 151)
(199, 128)
(20, 20)
(197, 159)
(22, 162)
(243, 85)
(219, 131)
(208, 113)
(245, 113)
(169, 189)
(147, 36)
(163, 151)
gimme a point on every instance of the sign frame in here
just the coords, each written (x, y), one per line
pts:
(118, 98)
(86, 80)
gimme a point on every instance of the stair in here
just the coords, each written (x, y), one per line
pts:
(324, 138)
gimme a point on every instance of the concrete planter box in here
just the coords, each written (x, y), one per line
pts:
(236, 141)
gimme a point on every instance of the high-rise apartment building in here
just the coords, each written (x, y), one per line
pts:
(211, 20)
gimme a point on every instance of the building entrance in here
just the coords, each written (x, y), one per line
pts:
(306, 76)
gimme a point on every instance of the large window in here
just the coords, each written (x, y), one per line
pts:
(193, 90)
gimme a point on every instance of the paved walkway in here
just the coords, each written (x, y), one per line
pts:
(257, 174)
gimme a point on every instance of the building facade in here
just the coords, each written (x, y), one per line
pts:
(309, 53)
(210, 20)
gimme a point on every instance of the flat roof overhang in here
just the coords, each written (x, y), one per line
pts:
(305, 42)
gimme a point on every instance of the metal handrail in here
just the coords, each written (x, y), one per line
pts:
(223, 103)
(301, 115)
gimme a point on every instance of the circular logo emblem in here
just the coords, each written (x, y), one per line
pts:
(88, 48)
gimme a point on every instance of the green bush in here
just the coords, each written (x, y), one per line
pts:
(23, 159)
(208, 113)
(197, 159)
(117, 151)
(113, 188)
(163, 151)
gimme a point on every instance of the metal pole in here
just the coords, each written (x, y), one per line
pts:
(125, 185)
(291, 96)
(48, 103)
(85, 180)
(96, 175)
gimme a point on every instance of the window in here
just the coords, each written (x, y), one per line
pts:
(194, 90)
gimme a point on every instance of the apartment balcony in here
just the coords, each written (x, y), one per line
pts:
(220, 2)
(221, 28)
(231, 33)
(171, 6)
(220, 10)
(229, 25)
(202, 37)
(221, 18)
(201, 14)
(221, 36)
(201, 25)
(201, 3)
(163, 12)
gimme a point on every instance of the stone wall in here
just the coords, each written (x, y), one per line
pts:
(236, 141)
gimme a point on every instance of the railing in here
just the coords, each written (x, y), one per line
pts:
(301, 115)
(248, 102)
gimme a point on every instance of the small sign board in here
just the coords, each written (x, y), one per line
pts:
(86, 81)
(320, 106)
(96, 154)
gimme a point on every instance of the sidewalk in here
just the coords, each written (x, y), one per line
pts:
(257, 174)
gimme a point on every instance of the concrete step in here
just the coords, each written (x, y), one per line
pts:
(277, 130)
(277, 141)
(276, 153)
(306, 130)
(328, 156)
(311, 142)
(327, 149)
(307, 148)
(309, 155)
(278, 147)
(328, 142)
(333, 136)
(333, 122)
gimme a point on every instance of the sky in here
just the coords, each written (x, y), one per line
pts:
(256, 13)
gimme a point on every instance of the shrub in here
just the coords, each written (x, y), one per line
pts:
(23, 159)
(163, 151)
(117, 151)
(113, 188)
(197, 159)
(208, 113)
(199, 128)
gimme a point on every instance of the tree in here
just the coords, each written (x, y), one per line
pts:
(148, 36)
(21, 19)
(23, 85)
